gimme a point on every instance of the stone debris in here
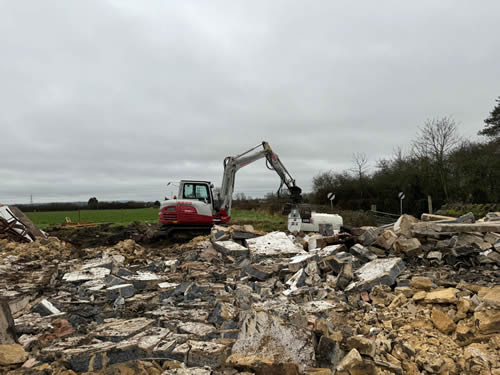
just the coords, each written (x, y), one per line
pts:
(11, 354)
(7, 328)
(379, 271)
(266, 335)
(401, 299)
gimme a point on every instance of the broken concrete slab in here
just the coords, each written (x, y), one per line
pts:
(482, 227)
(379, 271)
(492, 238)
(264, 334)
(231, 248)
(7, 326)
(45, 308)
(116, 330)
(386, 239)
(17, 301)
(143, 280)
(95, 356)
(467, 239)
(369, 235)
(362, 253)
(436, 255)
(345, 276)
(271, 245)
(404, 224)
(296, 281)
(85, 275)
(206, 353)
(410, 247)
(121, 290)
(259, 272)
(299, 261)
(201, 330)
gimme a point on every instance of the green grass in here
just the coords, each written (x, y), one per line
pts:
(125, 216)
(260, 220)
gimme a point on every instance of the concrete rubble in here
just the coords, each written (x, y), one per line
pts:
(411, 298)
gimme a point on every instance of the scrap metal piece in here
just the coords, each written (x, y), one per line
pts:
(12, 228)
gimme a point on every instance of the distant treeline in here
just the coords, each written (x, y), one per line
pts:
(439, 164)
(92, 206)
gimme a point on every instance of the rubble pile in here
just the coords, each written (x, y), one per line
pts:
(412, 298)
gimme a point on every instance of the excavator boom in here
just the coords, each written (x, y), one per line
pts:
(233, 163)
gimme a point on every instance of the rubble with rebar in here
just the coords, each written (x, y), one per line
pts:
(416, 297)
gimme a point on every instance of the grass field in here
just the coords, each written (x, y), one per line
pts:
(259, 220)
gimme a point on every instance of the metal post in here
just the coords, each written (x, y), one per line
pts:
(401, 196)
(429, 203)
(331, 204)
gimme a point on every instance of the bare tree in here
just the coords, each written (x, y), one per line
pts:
(360, 167)
(360, 164)
(435, 140)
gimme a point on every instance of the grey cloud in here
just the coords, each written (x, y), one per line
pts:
(116, 98)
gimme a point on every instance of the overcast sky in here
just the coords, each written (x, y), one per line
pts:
(115, 98)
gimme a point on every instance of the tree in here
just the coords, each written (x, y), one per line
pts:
(360, 166)
(436, 139)
(492, 123)
(93, 202)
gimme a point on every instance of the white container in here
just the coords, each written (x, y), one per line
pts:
(298, 224)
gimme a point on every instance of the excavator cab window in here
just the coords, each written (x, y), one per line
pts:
(196, 191)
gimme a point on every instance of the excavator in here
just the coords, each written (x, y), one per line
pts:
(197, 208)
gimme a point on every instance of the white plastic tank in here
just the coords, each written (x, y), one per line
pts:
(298, 224)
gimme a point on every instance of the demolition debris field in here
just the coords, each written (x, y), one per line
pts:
(259, 220)
(417, 297)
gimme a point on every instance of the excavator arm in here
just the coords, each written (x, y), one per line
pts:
(233, 163)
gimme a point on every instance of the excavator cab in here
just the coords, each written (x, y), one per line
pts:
(200, 190)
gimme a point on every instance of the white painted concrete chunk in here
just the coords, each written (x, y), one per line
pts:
(378, 271)
(167, 285)
(94, 285)
(230, 248)
(50, 307)
(266, 335)
(85, 275)
(143, 276)
(327, 251)
(272, 244)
